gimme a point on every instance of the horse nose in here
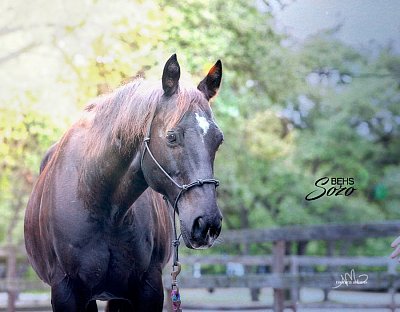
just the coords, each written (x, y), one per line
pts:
(204, 228)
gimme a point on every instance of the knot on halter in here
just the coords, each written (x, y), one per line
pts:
(176, 243)
(200, 182)
(185, 187)
(146, 139)
(216, 182)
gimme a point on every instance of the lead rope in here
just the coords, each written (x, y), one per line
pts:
(176, 266)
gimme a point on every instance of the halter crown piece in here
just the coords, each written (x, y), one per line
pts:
(176, 266)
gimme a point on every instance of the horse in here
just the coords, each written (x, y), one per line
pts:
(89, 233)
(149, 208)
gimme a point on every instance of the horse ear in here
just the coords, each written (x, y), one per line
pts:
(210, 84)
(171, 75)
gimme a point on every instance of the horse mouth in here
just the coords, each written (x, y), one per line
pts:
(192, 243)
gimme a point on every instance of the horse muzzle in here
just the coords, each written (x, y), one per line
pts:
(203, 232)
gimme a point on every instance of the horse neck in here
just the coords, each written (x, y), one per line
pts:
(131, 185)
(114, 179)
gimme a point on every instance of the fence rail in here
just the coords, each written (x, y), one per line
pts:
(324, 280)
(327, 232)
(286, 272)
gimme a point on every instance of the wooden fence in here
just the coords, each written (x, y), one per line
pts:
(288, 273)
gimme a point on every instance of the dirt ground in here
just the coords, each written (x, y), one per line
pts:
(238, 298)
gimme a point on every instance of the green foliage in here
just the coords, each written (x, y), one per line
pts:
(25, 135)
(290, 115)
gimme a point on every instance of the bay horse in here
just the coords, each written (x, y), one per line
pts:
(87, 233)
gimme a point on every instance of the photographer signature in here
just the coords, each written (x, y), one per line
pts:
(351, 279)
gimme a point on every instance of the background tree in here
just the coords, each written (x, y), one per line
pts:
(291, 113)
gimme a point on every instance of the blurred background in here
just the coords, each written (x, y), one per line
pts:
(310, 90)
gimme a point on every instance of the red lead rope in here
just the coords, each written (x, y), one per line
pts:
(175, 296)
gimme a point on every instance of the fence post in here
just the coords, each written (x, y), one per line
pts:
(295, 290)
(11, 277)
(391, 268)
(278, 266)
(329, 253)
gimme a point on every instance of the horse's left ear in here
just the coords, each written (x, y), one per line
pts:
(210, 84)
(171, 75)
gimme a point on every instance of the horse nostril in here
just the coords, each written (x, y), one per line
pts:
(198, 227)
(203, 229)
(216, 230)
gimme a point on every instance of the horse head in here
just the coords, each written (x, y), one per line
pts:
(178, 157)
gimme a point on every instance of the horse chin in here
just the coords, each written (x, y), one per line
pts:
(185, 236)
(187, 242)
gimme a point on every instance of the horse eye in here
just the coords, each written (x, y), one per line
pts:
(171, 137)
